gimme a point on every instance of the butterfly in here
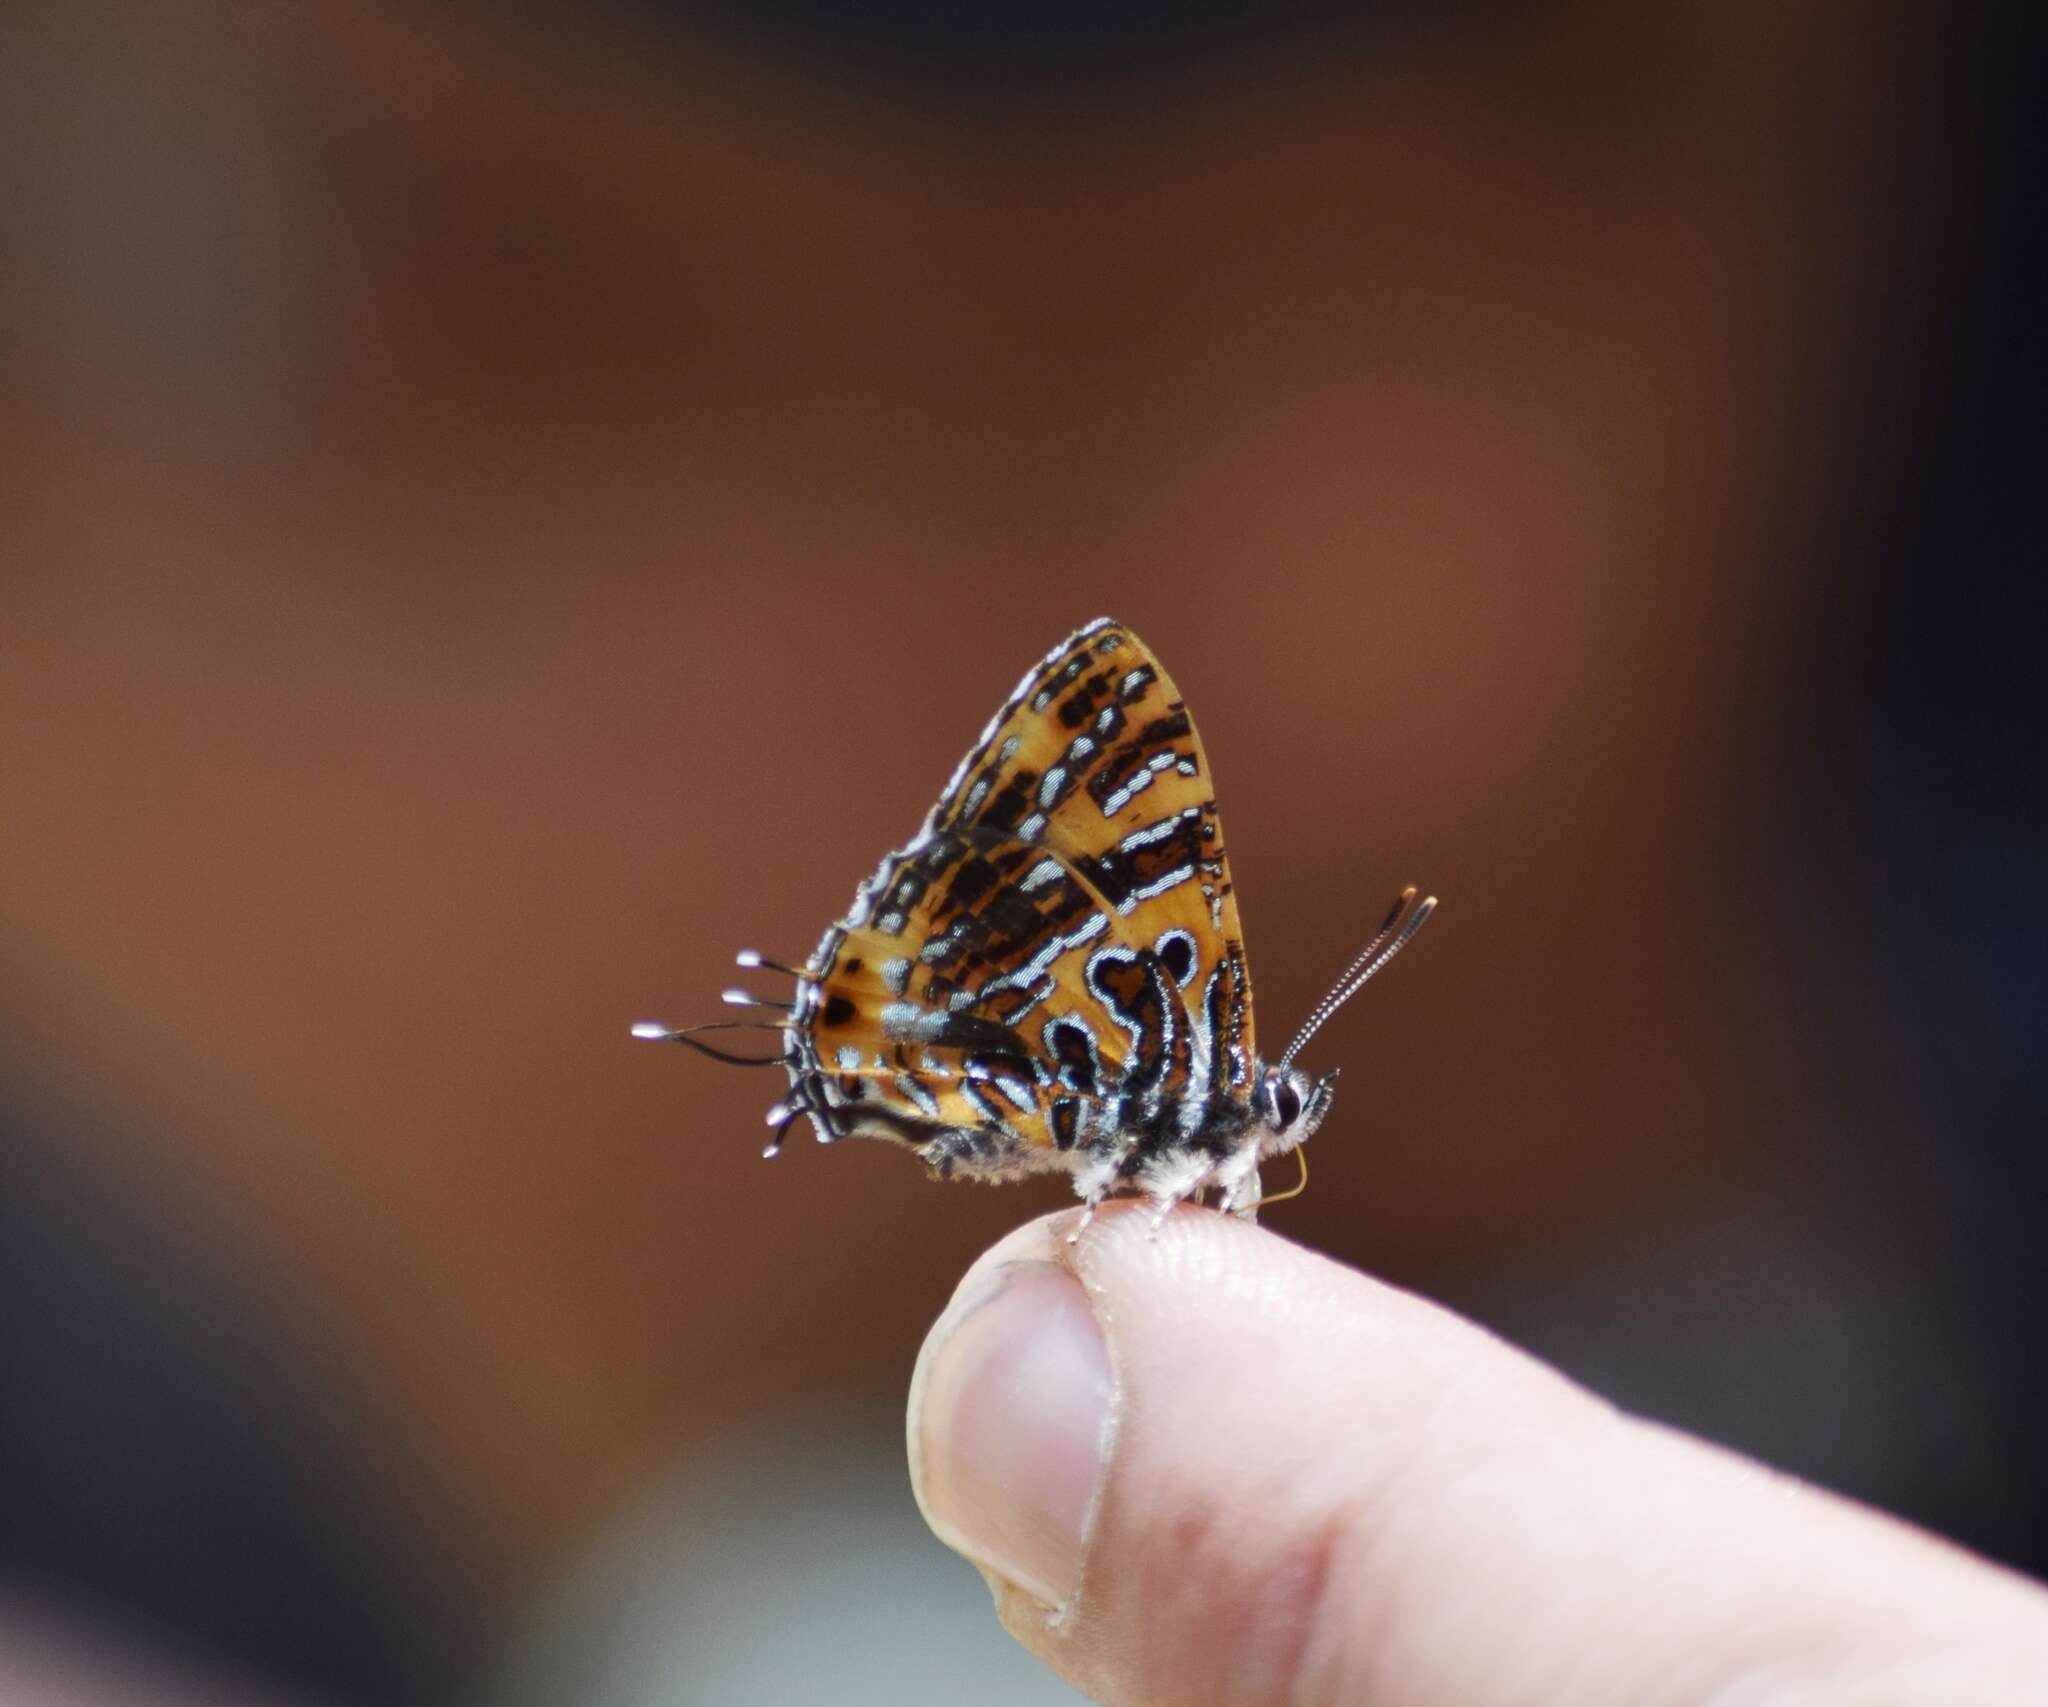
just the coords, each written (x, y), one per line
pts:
(1050, 976)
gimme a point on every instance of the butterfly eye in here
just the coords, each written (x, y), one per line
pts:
(1286, 1104)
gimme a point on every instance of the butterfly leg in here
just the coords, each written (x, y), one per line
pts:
(1237, 1178)
(974, 1152)
(1162, 1207)
(1173, 1178)
(947, 1151)
(1092, 1181)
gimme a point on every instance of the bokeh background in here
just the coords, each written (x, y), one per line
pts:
(504, 506)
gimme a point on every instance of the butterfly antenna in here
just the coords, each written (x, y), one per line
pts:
(1328, 1005)
(655, 1032)
(1371, 958)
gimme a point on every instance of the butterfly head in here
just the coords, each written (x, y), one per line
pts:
(1291, 1106)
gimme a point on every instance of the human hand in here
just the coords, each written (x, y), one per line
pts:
(1212, 1466)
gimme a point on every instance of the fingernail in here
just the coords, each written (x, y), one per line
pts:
(1008, 1414)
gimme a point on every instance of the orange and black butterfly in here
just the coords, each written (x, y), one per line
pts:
(1051, 976)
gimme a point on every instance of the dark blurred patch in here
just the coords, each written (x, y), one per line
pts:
(1935, 785)
(145, 1466)
(960, 54)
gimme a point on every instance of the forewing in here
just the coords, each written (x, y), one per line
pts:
(1055, 959)
(1095, 756)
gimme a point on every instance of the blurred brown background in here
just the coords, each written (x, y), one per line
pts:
(504, 508)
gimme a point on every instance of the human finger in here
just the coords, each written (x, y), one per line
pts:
(1209, 1465)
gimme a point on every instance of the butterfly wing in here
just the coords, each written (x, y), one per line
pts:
(1096, 757)
(1050, 974)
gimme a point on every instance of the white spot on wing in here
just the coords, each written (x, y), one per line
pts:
(914, 1093)
(1157, 832)
(908, 1020)
(1044, 872)
(1158, 886)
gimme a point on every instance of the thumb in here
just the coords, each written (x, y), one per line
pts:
(1207, 1465)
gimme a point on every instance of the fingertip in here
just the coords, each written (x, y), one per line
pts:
(1008, 1423)
(1020, 1396)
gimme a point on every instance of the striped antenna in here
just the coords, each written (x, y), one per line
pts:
(1370, 959)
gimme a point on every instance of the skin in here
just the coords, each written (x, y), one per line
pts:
(1208, 1465)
